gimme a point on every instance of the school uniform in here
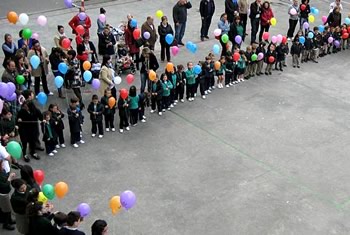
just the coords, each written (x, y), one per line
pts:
(133, 108)
(241, 66)
(167, 86)
(5, 204)
(123, 113)
(40, 225)
(19, 202)
(74, 125)
(157, 93)
(211, 76)
(190, 83)
(229, 69)
(49, 135)
(71, 231)
(248, 69)
(307, 50)
(143, 103)
(180, 85)
(58, 126)
(108, 113)
(282, 50)
(269, 65)
(172, 77)
(96, 117)
(203, 81)
(260, 63)
(296, 51)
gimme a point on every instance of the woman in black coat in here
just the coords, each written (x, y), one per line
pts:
(334, 18)
(149, 62)
(163, 29)
(231, 8)
(106, 42)
(86, 52)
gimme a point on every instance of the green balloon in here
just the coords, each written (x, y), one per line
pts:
(224, 38)
(49, 191)
(254, 57)
(26, 33)
(20, 79)
(14, 149)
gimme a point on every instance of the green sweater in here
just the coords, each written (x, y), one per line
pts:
(167, 85)
(173, 79)
(134, 102)
(190, 77)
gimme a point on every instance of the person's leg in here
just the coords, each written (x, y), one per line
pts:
(107, 121)
(177, 32)
(111, 120)
(294, 25)
(37, 85)
(153, 103)
(121, 120)
(202, 86)
(203, 28)
(60, 136)
(290, 32)
(167, 50)
(182, 32)
(24, 142)
(254, 30)
(100, 127)
(162, 51)
(262, 30)
(188, 91)
(208, 23)
(44, 81)
(224, 49)
(244, 18)
(143, 82)
(181, 91)
(93, 127)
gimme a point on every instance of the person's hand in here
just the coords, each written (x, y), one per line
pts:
(19, 120)
(12, 176)
(12, 134)
(178, 24)
(106, 106)
(44, 121)
(202, 18)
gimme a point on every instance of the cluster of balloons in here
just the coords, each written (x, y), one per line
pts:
(191, 47)
(127, 200)
(8, 90)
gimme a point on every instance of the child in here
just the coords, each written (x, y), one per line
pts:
(143, 103)
(190, 82)
(270, 58)
(282, 51)
(229, 68)
(317, 40)
(49, 134)
(8, 125)
(254, 64)
(220, 72)
(73, 221)
(156, 96)
(74, 75)
(260, 63)
(109, 112)
(241, 66)
(337, 37)
(325, 36)
(295, 51)
(211, 72)
(74, 118)
(248, 56)
(123, 114)
(345, 37)
(167, 86)
(133, 103)
(96, 110)
(57, 116)
(207, 69)
(203, 79)
(306, 55)
(172, 78)
(180, 83)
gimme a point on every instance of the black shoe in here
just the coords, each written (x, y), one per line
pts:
(26, 158)
(281, 69)
(202, 39)
(12, 221)
(16, 166)
(266, 73)
(181, 44)
(270, 73)
(293, 66)
(298, 66)
(8, 227)
(36, 156)
(40, 148)
(207, 37)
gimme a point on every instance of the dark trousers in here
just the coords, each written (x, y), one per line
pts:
(95, 125)
(74, 137)
(134, 116)
(228, 78)
(190, 90)
(244, 19)
(203, 85)
(212, 80)
(166, 101)
(156, 102)
(180, 90)
(180, 31)
(25, 141)
(136, 58)
(263, 28)
(141, 113)
(292, 26)
(164, 49)
(109, 120)
(77, 93)
(123, 121)
(37, 84)
(255, 28)
(172, 96)
(205, 26)
(224, 49)
(49, 146)
(60, 135)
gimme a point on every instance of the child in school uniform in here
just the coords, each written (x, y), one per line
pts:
(307, 47)
(74, 118)
(109, 112)
(96, 110)
(220, 73)
(133, 105)
(180, 83)
(254, 64)
(190, 82)
(167, 86)
(123, 114)
(325, 45)
(337, 37)
(241, 66)
(172, 78)
(270, 58)
(57, 116)
(211, 72)
(248, 55)
(49, 134)
(156, 96)
(282, 51)
(203, 79)
(296, 51)
(345, 37)
(317, 40)
(143, 103)
(260, 64)
(229, 69)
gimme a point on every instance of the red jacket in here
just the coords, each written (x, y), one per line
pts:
(130, 41)
(266, 15)
(75, 21)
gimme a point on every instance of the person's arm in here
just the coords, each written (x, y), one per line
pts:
(201, 9)
(88, 23)
(8, 49)
(213, 8)
(72, 23)
(188, 5)
(104, 76)
(112, 39)
(102, 109)
(176, 14)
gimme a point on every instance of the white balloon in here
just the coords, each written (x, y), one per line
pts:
(42, 20)
(117, 80)
(23, 18)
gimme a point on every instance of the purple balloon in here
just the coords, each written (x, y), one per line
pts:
(127, 199)
(238, 39)
(12, 97)
(306, 25)
(84, 209)
(82, 16)
(330, 39)
(96, 84)
(68, 3)
(260, 56)
(146, 35)
(336, 43)
(11, 88)
(3, 90)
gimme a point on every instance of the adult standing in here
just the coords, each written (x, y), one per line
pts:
(42, 70)
(9, 48)
(106, 42)
(255, 14)
(334, 4)
(304, 13)
(101, 25)
(180, 19)
(80, 19)
(148, 62)
(293, 12)
(24, 44)
(55, 58)
(224, 25)
(59, 37)
(149, 27)
(266, 16)
(106, 77)
(231, 10)
(206, 9)
(130, 41)
(243, 15)
(86, 51)
(334, 18)
(10, 73)
(164, 29)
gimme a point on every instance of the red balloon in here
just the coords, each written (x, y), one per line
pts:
(345, 35)
(39, 176)
(236, 56)
(265, 35)
(66, 43)
(303, 7)
(80, 30)
(349, 29)
(124, 93)
(130, 79)
(284, 39)
(136, 34)
(271, 59)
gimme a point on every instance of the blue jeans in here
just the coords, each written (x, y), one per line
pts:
(144, 81)
(180, 31)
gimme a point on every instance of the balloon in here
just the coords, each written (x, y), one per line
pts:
(82, 16)
(61, 189)
(20, 79)
(224, 38)
(59, 81)
(63, 68)
(193, 48)
(111, 102)
(197, 69)
(124, 93)
(80, 29)
(216, 49)
(279, 38)
(217, 32)
(311, 18)
(49, 191)
(306, 25)
(330, 40)
(42, 198)
(68, 3)
(95, 83)
(321, 28)
(66, 43)
(324, 19)
(12, 97)
(310, 35)
(159, 14)
(188, 45)
(35, 61)
(1, 105)
(273, 21)
(102, 18)
(14, 149)
(217, 65)
(117, 80)
(152, 75)
(23, 18)
(42, 20)
(271, 59)
(26, 33)
(254, 57)
(314, 11)
(266, 36)
(169, 67)
(146, 35)
(238, 39)
(169, 38)
(39, 176)
(302, 39)
(42, 98)
(127, 199)
(347, 20)
(236, 56)
(345, 36)
(3, 89)
(35, 36)
(302, 7)
(115, 204)
(133, 23)
(12, 17)
(260, 56)
(11, 88)
(174, 50)
(130, 79)
(84, 209)
(274, 39)
(336, 43)
(293, 11)
(86, 65)
(136, 34)
(284, 39)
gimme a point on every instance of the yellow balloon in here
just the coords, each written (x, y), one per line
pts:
(42, 198)
(159, 14)
(273, 21)
(311, 18)
(152, 75)
(115, 204)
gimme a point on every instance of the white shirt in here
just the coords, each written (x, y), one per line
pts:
(4, 155)
(332, 5)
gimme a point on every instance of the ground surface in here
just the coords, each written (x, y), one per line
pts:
(269, 156)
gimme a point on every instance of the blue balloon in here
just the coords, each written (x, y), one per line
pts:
(188, 45)
(193, 48)
(347, 20)
(169, 39)
(197, 69)
(310, 35)
(58, 81)
(87, 76)
(216, 49)
(312, 9)
(321, 28)
(133, 23)
(302, 39)
(63, 68)
(35, 61)
(42, 98)
(316, 12)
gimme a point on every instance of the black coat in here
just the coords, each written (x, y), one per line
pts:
(281, 51)
(19, 202)
(103, 40)
(158, 89)
(123, 111)
(45, 130)
(81, 48)
(255, 10)
(334, 19)
(57, 118)
(268, 54)
(296, 49)
(163, 31)
(40, 225)
(305, 14)
(99, 110)
(180, 12)
(107, 109)
(29, 127)
(207, 9)
(230, 9)
(74, 120)
(5, 185)
(153, 63)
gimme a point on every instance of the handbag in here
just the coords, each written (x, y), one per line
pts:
(139, 42)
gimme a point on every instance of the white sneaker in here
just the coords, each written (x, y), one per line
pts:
(175, 104)
(163, 110)
(113, 129)
(63, 145)
(82, 141)
(152, 111)
(121, 130)
(231, 84)
(169, 109)
(182, 100)
(203, 97)
(100, 136)
(213, 87)
(144, 117)
(135, 124)
(160, 113)
(54, 151)
(195, 94)
(209, 91)
(171, 106)
(176, 101)
(227, 86)
(127, 128)
(107, 129)
(50, 93)
(75, 145)
(51, 154)
(143, 120)
(57, 146)
(206, 92)
(93, 135)
(190, 99)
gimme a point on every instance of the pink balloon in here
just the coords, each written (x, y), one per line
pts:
(35, 36)
(330, 39)
(42, 20)
(102, 18)
(279, 38)
(324, 19)
(274, 39)
(217, 32)
(293, 12)
(175, 50)
(260, 56)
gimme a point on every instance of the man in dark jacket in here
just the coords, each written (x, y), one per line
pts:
(180, 19)
(106, 42)
(231, 9)
(206, 9)
(255, 14)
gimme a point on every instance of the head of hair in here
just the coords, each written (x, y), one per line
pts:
(98, 227)
(5, 111)
(72, 53)
(102, 10)
(27, 174)
(17, 183)
(60, 218)
(315, 28)
(20, 33)
(94, 97)
(74, 100)
(46, 114)
(34, 41)
(237, 18)
(107, 90)
(132, 91)
(6, 35)
(180, 67)
(59, 27)
(105, 59)
(33, 209)
(162, 76)
(33, 195)
(51, 106)
(72, 217)
(188, 63)
(222, 15)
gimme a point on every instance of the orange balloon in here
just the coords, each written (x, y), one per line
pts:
(115, 204)
(12, 17)
(61, 189)
(86, 65)
(152, 75)
(217, 65)
(170, 67)
(111, 102)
